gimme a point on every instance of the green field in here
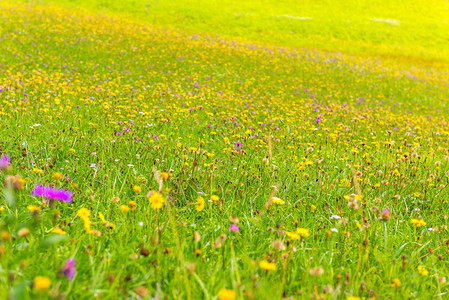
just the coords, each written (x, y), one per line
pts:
(201, 150)
(411, 31)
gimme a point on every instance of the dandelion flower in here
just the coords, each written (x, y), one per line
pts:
(200, 203)
(303, 232)
(42, 283)
(277, 200)
(418, 222)
(267, 265)
(124, 208)
(156, 199)
(226, 294)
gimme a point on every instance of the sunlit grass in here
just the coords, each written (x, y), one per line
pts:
(203, 167)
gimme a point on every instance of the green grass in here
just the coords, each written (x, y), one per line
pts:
(110, 102)
(415, 32)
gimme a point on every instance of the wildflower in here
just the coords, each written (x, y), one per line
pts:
(353, 298)
(418, 222)
(137, 189)
(312, 207)
(58, 230)
(267, 265)
(14, 182)
(5, 162)
(396, 283)
(5, 235)
(52, 194)
(219, 242)
(156, 199)
(133, 204)
(385, 214)
(165, 175)
(72, 150)
(293, 235)
(57, 176)
(84, 214)
(277, 200)
(422, 271)
(101, 216)
(33, 208)
(23, 232)
(234, 228)
(38, 171)
(42, 283)
(278, 245)
(200, 203)
(303, 232)
(196, 236)
(124, 208)
(316, 271)
(215, 198)
(69, 268)
(225, 294)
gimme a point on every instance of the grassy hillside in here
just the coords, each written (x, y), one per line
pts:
(413, 31)
(142, 161)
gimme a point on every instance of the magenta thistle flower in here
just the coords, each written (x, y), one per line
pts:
(69, 268)
(234, 228)
(52, 194)
(5, 162)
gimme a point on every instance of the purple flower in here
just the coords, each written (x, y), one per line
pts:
(318, 119)
(5, 162)
(52, 194)
(234, 228)
(69, 268)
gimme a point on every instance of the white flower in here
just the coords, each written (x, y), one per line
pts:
(335, 217)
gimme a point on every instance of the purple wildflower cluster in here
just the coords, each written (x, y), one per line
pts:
(53, 194)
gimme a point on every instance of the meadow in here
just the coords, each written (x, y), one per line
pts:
(154, 157)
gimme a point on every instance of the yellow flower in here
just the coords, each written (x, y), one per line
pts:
(124, 208)
(101, 216)
(156, 199)
(313, 207)
(422, 271)
(225, 294)
(293, 235)
(277, 200)
(33, 208)
(267, 265)
(165, 175)
(418, 222)
(58, 230)
(352, 298)
(200, 203)
(38, 171)
(57, 176)
(5, 235)
(84, 213)
(396, 283)
(21, 182)
(214, 198)
(2, 208)
(303, 232)
(72, 150)
(137, 189)
(42, 283)
(133, 204)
